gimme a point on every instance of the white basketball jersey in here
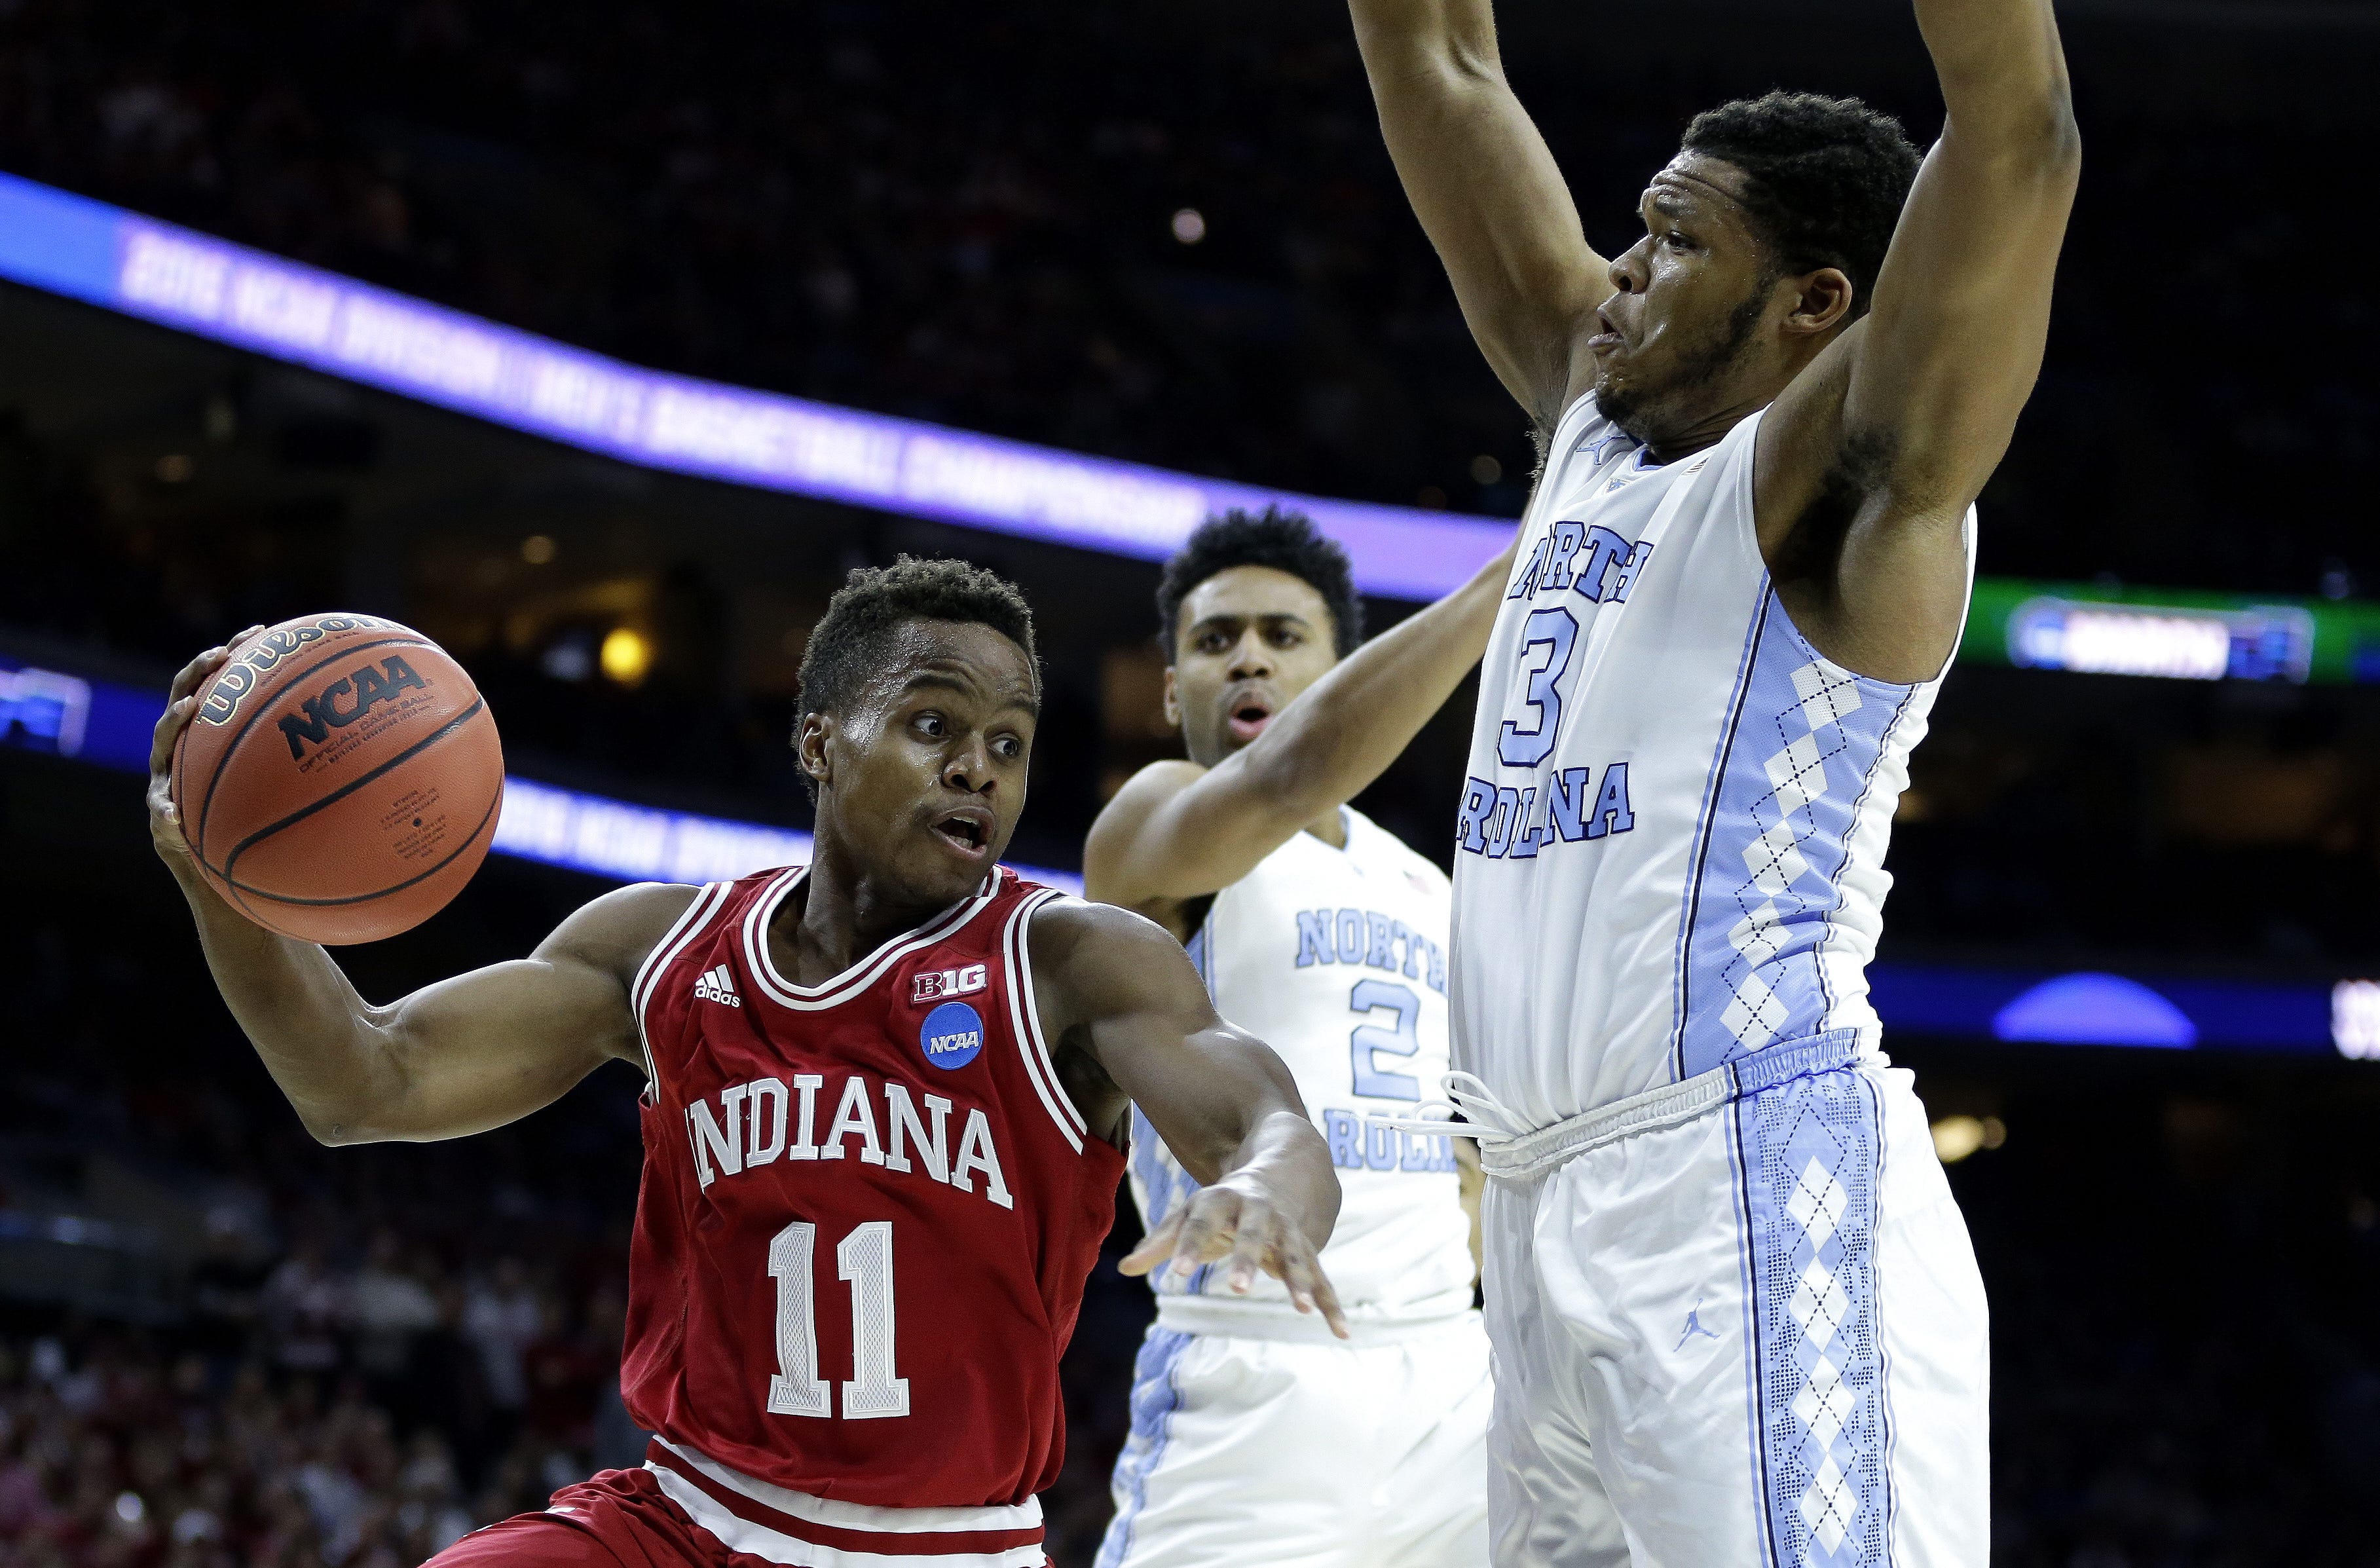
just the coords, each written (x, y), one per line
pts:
(1671, 841)
(1336, 958)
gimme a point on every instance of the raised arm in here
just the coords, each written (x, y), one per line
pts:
(1487, 190)
(1133, 1027)
(1177, 831)
(1889, 436)
(457, 1057)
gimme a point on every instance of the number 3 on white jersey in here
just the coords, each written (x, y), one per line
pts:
(865, 1261)
(1555, 631)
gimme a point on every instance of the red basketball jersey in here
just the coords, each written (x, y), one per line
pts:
(869, 1207)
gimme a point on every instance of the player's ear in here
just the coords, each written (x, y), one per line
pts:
(1173, 701)
(1824, 303)
(811, 739)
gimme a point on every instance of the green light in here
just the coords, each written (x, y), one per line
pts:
(2175, 633)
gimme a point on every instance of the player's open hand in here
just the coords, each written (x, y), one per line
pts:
(1236, 1220)
(164, 821)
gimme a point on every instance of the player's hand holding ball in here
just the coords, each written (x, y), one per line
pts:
(335, 778)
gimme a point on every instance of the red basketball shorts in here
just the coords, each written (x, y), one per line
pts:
(622, 1519)
(617, 1520)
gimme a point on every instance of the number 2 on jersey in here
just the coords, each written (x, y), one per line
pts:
(864, 1262)
(1555, 631)
(1370, 996)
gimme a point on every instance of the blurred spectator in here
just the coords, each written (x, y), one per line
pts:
(561, 1371)
(725, 192)
(304, 1304)
(388, 1306)
(502, 1319)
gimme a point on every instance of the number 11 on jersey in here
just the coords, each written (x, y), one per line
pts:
(864, 1261)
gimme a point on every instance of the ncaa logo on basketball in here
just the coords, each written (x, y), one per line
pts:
(324, 712)
(952, 1036)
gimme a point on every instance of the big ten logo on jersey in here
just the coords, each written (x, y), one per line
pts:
(1360, 1142)
(1370, 939)
(1502, 822)
(746, 1127)
(933, 985)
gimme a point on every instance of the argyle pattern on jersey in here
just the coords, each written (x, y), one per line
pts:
(1808, 736)
(1811, 1147)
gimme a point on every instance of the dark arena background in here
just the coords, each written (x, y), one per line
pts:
(598, 341)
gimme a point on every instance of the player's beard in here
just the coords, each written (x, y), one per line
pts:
(1648, 413)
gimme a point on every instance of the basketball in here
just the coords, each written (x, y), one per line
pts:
(340, 779)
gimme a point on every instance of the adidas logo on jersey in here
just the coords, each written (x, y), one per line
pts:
(937, 985)
(718, 985)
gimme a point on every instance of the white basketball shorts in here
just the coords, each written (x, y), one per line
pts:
(1737, 1322)
(1296, 1453)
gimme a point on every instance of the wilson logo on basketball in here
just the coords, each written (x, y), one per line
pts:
(345, 700)
(240, 676)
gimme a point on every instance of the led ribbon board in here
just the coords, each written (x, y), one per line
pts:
(159, 272)
(2172, 633)
(89, 251)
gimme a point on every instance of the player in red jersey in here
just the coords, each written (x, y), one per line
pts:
(885, 1099)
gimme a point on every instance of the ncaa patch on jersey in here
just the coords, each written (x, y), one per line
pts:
(952, 1036)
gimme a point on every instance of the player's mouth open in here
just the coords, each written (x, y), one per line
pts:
(967, 829)
(1248, 720)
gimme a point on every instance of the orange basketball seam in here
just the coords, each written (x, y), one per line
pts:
(231, 746)
(477, 705)
(460, 850)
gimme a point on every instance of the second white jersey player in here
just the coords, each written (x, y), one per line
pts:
(1339, 956)
(1256, 1436)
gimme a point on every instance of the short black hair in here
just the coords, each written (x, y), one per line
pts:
(1825, 178)
(849, 643)
(1287, 542)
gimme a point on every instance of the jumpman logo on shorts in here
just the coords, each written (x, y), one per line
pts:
(1694, 1326)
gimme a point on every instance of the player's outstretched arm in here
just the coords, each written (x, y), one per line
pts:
(1888, 436)
(457, 1057)
(1133, 1027)
(1178, 830)
(1487, 191)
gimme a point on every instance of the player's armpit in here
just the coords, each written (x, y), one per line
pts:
(1114, 987)
(1868, 462)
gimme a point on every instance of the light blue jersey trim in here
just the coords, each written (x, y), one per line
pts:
(1811, 1150)
(1156, 1395)
(1882, 1355)
(1798, 758)
(1689, 903)
(1747, 1270)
